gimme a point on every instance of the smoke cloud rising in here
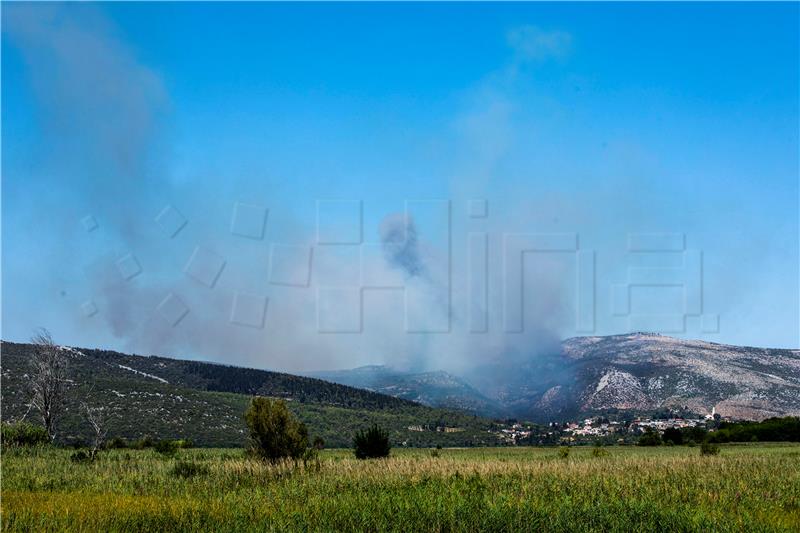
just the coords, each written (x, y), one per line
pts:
(105, 113)
(107, 148)
(400, 245)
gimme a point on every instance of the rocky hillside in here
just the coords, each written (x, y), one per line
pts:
(639, 373)
(645, 371)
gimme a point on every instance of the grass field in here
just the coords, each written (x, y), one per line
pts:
(745, 488)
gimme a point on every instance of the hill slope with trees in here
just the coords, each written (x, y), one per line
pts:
(205, 402)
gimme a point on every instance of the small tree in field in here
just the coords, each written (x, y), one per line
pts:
(371, 443)
(708, 448)
(48, 380)
(97, 419)
(274, 432)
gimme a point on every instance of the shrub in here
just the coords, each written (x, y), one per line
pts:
(599, 451)
(274, 432)
(563, 452)
(673, 435)
(145, 442)
(311, 457)
(650, 438)
(23, 434)
(371, 443)
(708, 448)
(117, 444)
(167, 447)
(319, 443)
(81, 456)
(188, 469)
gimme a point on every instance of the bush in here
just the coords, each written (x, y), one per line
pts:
(708, 448)
(563, 452)
(311, 458)
(599, 451)
(650, 438)
(371, 443)
(23, 434)
(319, 443)
(81, 456)
(673, 436)
(188, 469)
(117, 444)
(145, 442)
(274, 432)
(167, 447)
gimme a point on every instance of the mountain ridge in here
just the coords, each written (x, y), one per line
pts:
(640, 372)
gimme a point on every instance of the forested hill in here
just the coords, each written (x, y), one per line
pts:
(172, 398)
(208, 376)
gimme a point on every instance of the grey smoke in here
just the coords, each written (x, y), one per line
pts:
(400, 243)
(103, 109)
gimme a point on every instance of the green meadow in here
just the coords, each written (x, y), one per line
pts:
(744, 488)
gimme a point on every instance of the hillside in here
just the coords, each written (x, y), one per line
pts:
(638, 373)
(440, 389)
(645, 371)
(174, 398)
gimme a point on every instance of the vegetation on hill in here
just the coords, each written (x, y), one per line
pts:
(170, 399)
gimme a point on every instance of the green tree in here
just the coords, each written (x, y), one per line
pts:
(694, 434)
(274, 432)
(371, 443)
(673, 435)
(650, 438)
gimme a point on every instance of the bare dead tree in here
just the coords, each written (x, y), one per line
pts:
(48, 380)
(97, 418)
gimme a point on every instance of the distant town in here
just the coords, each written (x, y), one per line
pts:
(593, 430)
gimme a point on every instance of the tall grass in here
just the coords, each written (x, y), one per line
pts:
(745, 488)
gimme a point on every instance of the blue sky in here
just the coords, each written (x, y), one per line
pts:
(612, 122)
